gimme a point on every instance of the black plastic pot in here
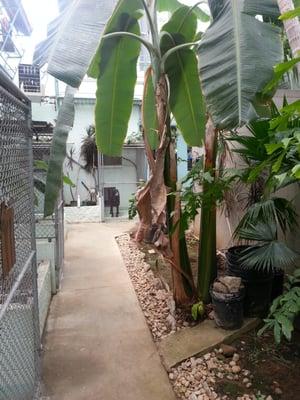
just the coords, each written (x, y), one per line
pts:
(228, 309)
(258, 284)
(277, 286)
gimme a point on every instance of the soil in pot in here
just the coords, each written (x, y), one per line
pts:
(258, 284)
(227, 294)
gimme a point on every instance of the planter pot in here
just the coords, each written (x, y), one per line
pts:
(258, 284)
(277, 286)
(228, 309)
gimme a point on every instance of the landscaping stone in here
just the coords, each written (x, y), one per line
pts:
(194, 379)
(227, 350)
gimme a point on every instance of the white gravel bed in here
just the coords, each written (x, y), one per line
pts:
(155, 299)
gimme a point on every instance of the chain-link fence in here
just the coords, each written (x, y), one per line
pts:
(19, 325)
(50, 228)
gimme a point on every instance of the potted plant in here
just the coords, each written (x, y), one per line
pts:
(262, 259)
(257, 262)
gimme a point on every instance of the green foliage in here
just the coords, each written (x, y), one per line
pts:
(193, 199)
(290, 14)
(272, 211)
(68, 181)
(186, 101)
(284, 310)
(198, 310)
(279, 71)
(273, 149)
(268, 253)
(132, 210)
(117, 60)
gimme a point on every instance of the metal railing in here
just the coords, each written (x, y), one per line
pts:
(19, 320)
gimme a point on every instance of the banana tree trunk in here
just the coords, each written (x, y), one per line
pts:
(207, 262)
(183, 286)
(157, 209)
(292, 28)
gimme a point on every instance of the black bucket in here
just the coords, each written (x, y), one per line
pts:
(258, 284)
(228, 309)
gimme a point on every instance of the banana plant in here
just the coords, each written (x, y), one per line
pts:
(171, 86)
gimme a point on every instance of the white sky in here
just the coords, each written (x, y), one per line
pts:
(39, 13)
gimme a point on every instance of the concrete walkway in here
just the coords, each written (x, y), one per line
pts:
(97, 344)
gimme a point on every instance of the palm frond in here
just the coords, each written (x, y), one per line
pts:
(269, 256)
(275, 211)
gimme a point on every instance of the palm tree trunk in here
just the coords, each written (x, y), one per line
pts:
(292, 28)
(207, 262)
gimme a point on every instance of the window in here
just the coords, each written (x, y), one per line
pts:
(111, 161)
(29, 78)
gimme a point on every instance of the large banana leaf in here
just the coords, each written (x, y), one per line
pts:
(73, 38)
(237, 54)
(64, 124)
(115, 86)
(267, 8)
(186, 100)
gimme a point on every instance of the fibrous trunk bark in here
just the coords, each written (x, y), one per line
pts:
(162, 211)
(292, 28)
(207, 262)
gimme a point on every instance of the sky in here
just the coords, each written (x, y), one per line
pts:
(39, 13)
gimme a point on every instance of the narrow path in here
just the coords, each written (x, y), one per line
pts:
(97, 344)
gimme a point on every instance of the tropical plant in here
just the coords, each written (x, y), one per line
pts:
(284, 310)
(231, 92)
(171, 84)
(267, 217)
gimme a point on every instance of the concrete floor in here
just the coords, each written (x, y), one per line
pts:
(97, 344)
